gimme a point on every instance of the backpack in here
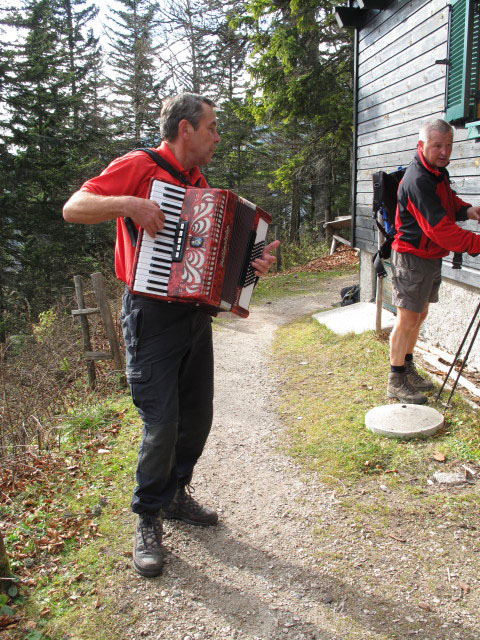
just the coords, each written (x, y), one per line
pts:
(385, 187)
(349, 295)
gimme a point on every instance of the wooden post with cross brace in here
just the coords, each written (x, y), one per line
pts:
(104, 309)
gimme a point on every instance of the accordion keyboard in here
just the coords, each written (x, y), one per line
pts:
(156, 254)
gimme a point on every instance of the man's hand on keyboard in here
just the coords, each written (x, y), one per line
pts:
(147, 214)
(263, 264)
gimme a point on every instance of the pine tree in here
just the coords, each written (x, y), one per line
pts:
(91, 125)
(44, 129)
(135, 80)
(204, 53)
(230, 52)
(301, 69)
(7, 234)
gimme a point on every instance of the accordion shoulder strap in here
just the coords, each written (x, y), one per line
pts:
(156, 157)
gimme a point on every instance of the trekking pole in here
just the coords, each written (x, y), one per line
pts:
(379, 291)
(464, 361)
(437, 397)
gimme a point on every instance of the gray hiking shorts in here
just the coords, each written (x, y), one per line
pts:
(415, 281)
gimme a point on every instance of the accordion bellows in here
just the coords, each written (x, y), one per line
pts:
(203, 254)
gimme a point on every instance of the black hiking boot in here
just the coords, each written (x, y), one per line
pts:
(400, 388)
(415, 379)
(185, 507)
(147, 548)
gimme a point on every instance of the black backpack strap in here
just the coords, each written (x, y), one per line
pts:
(132, 230)
(377, 186)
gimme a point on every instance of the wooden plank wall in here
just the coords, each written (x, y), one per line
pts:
(399, 86)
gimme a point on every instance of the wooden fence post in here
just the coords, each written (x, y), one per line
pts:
(87, 346)
(99, 288)
(4, 567)
(104, 310)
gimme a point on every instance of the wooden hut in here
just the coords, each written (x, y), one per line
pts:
(414, 60)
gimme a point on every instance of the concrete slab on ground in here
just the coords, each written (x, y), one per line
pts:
(356, 318)
(404, 421)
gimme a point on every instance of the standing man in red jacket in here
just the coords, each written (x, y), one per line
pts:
(168, 346)
(426, 218)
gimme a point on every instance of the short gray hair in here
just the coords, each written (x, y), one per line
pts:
(184, 106)
(442, 126)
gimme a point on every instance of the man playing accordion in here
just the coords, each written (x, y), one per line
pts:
(169, 350)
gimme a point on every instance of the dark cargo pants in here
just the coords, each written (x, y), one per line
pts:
(169, 357)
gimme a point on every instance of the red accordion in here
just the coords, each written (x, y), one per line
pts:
(204, 252)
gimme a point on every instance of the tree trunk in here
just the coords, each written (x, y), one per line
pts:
(4, 567)
(3, 333)
(322, 196)
(295, 214)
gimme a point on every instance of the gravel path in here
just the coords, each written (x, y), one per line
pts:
(258, 575)
(255, 575)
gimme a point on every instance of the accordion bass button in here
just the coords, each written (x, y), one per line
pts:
(195, 241)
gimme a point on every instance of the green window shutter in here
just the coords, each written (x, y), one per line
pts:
(474, 64)
(459, 52)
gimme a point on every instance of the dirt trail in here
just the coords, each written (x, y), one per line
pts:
(259, 574)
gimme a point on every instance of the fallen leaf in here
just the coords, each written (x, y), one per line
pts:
(6, 622)
(464, 586)
(30, 625)
(396, 538)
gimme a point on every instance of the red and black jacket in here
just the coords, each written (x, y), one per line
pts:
(427, 212)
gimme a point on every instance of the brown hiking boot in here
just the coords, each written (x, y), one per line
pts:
(400, 388)
(185, 507)
(147, 548)
(415, 379)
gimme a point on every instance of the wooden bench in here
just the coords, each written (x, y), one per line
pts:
(341, 222)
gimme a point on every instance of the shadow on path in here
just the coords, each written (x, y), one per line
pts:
(319, 596)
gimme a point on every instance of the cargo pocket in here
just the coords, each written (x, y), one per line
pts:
(406, 281)
(132, 329)
(139, 379)
(410, 275)
(141, 373)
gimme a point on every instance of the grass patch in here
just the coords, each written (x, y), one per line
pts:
(384, 515)
(275, 286)
(69, 528)
(81, 598)
(328, 383)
